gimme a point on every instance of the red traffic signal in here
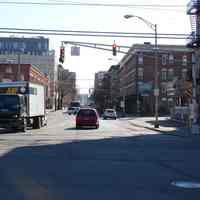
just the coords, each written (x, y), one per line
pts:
(62, 54)
(114, 49)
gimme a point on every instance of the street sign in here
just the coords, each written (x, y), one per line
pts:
(145, 88)
(75, 51)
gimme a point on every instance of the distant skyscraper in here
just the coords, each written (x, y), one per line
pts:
(31, 46)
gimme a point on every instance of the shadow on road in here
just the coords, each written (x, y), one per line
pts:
(167, 123)
(81, 128)
(11, 131)
(180, 128)
(7, 131)
(70, 128)
(140, 168)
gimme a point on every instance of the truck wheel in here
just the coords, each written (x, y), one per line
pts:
(37, 123)
(24, 126)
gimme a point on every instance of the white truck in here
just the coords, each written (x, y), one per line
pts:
(22, 104)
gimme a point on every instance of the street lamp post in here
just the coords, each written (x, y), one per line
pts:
(156, 89)
(18, 67)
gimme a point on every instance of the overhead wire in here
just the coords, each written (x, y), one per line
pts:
(91, 34)
(97, 32)
(167, 7)
(92, 4)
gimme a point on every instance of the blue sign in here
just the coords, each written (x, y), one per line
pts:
(145, 88)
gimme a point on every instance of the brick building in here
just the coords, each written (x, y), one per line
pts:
(136, 75)
(24, 72)
(65, 87)
(114, 85)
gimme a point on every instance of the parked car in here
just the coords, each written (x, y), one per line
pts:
(87, 117)
(109, 113)
(71, 110)
(76, 109)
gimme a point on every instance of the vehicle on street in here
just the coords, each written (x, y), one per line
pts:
(75, 104)
(76, 110)
(110, 113)
(22, 104)
(87, 117)
(71, 110)
(74, 107)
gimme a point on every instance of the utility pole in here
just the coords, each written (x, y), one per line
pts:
(124, 103)
(156, 90)
(137, 92)
(18, 66)
(194, 105)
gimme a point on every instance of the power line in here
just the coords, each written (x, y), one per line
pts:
(92, 35)
(95, 32)
(62, 3)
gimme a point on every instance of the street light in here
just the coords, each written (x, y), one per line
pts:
(156, 90)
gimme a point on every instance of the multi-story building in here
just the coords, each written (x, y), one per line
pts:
(137, 75)
(99, 76)
(114, 85)
(65, 87)
(34, 51)
(102, 90)
(10, 73)
(32, 46)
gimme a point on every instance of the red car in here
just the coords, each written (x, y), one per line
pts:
(87, 117)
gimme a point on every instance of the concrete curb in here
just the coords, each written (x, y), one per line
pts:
(158, 130)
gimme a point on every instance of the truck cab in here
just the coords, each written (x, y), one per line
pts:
(13, 111)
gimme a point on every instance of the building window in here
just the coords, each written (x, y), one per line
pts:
(22, 77)
(140, 73)
(140, 59)
(171, 59)
(23, 45)
(164, 59)
(184, 60)
(164, 74)
(170, 74)
(184, 74)
(39, 46)
(9, 70)
(164, 91)
(15, 45)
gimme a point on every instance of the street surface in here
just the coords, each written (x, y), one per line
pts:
(117, 161)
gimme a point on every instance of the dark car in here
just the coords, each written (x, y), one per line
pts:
(87, 117)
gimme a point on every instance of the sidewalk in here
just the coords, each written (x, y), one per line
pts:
(166, 125)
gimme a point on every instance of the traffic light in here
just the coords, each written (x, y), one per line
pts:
(114, 49)
(62, 54)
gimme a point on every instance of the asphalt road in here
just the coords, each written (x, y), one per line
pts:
(118, 161)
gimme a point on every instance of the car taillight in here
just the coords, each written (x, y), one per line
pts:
(78, 119)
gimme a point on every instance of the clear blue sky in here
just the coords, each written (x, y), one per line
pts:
(95, 19)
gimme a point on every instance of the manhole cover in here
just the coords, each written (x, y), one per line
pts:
(186, 184)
